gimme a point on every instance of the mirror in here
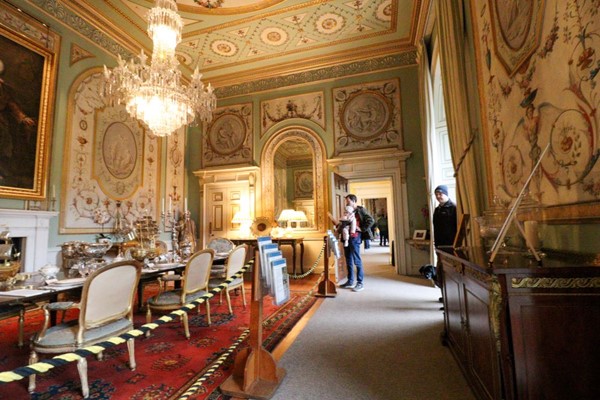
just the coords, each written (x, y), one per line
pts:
(292, 165)
(294, 181)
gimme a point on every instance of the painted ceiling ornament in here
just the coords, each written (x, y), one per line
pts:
(224, 48)
(330, 23)
(274, 36)
(209, 3)
(384, 11)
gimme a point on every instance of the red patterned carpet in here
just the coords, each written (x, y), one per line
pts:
(168, 364)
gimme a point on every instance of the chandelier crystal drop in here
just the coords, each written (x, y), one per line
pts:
(152, 92)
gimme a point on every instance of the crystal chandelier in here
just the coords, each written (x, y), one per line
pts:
(152, 93)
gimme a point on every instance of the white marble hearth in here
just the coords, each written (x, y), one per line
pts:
(33, 226)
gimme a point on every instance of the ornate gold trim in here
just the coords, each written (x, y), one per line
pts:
(555, 283)
(34, 39)
(312, 140)
(495, 309)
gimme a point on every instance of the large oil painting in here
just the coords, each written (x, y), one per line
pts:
(27, 79)
(547, 97)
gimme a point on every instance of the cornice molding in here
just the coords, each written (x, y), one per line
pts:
(334, 71)
(77, 15)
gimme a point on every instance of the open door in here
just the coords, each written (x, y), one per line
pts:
(339, 191)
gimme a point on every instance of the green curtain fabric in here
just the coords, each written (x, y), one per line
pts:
(450, 19)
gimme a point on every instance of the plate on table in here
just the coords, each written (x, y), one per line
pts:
(70, 282)
(166, 265)
(222, 255)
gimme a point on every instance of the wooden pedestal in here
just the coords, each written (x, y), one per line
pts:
(255, 372)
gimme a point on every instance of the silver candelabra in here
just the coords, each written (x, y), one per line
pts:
(169, 220)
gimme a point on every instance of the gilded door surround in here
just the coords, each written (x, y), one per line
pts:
(267, 166)
(383, 164)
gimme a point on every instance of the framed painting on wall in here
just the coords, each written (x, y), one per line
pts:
(303, 184)
(27, 80)
(229, 136)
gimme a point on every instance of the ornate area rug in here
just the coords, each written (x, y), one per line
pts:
(168, 365)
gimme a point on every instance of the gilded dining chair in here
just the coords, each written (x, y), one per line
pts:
(105, 310)
(235, 262)
(193, 286)
(220, 246)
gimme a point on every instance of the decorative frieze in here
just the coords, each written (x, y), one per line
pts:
(555, 283)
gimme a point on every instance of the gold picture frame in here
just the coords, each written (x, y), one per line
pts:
(28, 74)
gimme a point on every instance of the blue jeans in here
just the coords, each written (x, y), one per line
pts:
(352, 254)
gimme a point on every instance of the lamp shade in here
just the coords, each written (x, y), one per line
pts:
(286, 215)
(299, 216)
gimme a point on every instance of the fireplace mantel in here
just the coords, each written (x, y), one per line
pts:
(32, 225)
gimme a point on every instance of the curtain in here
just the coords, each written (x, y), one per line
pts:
(427, 131)
(450, 18)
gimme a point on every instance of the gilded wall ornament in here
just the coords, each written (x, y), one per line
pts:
(305, 106)
(367, 116)
(229, 136)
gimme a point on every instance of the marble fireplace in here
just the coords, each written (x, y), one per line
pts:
(31, 228)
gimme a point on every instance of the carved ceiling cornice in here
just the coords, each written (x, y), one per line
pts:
(406, 58)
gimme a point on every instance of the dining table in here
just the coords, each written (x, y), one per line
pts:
(15, 300)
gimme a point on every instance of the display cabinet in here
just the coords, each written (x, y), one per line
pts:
(521, 329)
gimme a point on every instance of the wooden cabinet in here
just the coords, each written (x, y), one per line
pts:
(520, 330)
(468, 298)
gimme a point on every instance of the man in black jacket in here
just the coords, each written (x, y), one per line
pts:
(444, 226)
(444, 218)
(352, 253)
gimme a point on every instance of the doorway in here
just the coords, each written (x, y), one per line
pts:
(377, 197)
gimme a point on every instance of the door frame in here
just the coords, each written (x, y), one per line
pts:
(226, 177)
(381, 165)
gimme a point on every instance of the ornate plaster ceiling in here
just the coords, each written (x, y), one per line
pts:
(251, 39)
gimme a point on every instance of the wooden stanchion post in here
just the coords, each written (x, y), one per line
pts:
(255, 372)
(326, 286)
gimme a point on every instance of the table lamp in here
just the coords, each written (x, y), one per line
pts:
(287, 216)
(299, 217)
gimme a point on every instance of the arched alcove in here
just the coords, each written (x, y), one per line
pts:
(267, 162)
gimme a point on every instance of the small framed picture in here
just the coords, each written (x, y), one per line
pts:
(420, 234)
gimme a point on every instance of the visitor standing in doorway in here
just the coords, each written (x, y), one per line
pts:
(382, 224)
(364, 222)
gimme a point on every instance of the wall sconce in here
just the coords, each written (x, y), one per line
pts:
(242, 218)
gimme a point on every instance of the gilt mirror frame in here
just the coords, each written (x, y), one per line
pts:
(267, 166)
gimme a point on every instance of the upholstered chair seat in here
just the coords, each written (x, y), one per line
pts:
(172, 297)
(63, 337)
(194, 284)
(106, 310)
